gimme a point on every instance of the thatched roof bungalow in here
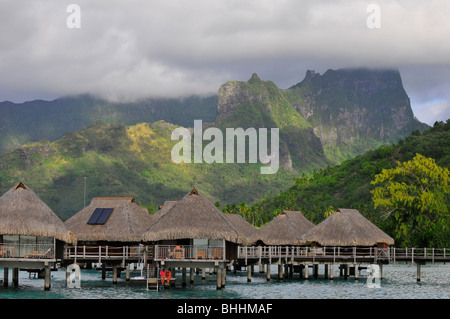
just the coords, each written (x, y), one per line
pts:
(347, 227)
(195, 221)
(27, 222)
(194, 216)
(110, 220)
(285, 229)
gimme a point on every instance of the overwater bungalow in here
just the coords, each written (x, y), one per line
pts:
(109, 232)
(347, 228)
(114, 221)
(195, 233)
(285, 229)
(32, 236)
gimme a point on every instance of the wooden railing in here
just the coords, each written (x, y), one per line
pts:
(28, 251)
(189, 252)
(86, 252)
(313, 254)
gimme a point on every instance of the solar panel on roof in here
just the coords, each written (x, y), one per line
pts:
(95, 215)
(100, 216)
(104, 216)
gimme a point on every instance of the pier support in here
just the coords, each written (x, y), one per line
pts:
(115, 274)
(15, 277)
(418, 272)
(203, 273)
(219, 278)
(191, 275)
(128, 273)
(249, 274)
(268, 272)
(5, 276)
(47, 278)
(183, 277)
(331, 271)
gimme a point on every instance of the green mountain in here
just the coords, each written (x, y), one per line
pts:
(35, 120)
(322, 120)
(119, 160)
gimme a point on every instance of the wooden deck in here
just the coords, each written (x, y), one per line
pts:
(336, 255)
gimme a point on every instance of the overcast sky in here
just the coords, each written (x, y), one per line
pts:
(133, 49)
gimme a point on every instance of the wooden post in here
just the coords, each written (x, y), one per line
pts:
(418, 272)
(183, 276)
(249, 274)
(356, 271)
(331, 271)
(224, 273)
(326, 271)
(203, 273)
(47, 283)
(306, 271)
(103, 271)
(15, 277)
(219, 279)
(5, 276)
(268, 271)
(191, 275)
(115, 274)
(280, 271)
(315, 270)
(128, 273)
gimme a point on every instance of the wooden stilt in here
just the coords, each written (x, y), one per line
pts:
(115, 274)
(15, 277)
(249, 274)
(5, 276)
(183, 276)
(191, 275)
(128, 273)
(268, 271)
(418, 272)
(219, 279)
(331, 271)
(47, 278)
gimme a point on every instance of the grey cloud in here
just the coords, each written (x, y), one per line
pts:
(138, 48)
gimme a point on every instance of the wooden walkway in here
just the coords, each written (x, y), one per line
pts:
(357, 255)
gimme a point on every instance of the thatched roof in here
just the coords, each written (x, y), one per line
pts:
(347, 227)
(285, 229)
(242, 226)
(126, 223)
(194, 216)
(168, 204)
(22, 212)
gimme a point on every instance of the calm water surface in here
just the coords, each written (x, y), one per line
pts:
(399, 282)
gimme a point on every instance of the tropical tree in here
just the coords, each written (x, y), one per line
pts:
(415, 196)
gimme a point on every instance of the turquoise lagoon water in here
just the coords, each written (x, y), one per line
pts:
(399, 282)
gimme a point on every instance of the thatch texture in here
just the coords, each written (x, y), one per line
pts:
(347, 227)
(126, 223)
(22, 212)
(168, 204)
(285, 229)
(242, 226)
(194, 216)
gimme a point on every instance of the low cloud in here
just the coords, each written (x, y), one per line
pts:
(133, 49)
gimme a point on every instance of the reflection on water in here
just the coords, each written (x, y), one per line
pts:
(399, 282)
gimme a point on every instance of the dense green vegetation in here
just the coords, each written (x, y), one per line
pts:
(119, 160)
(348, 185)
(36, 120)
